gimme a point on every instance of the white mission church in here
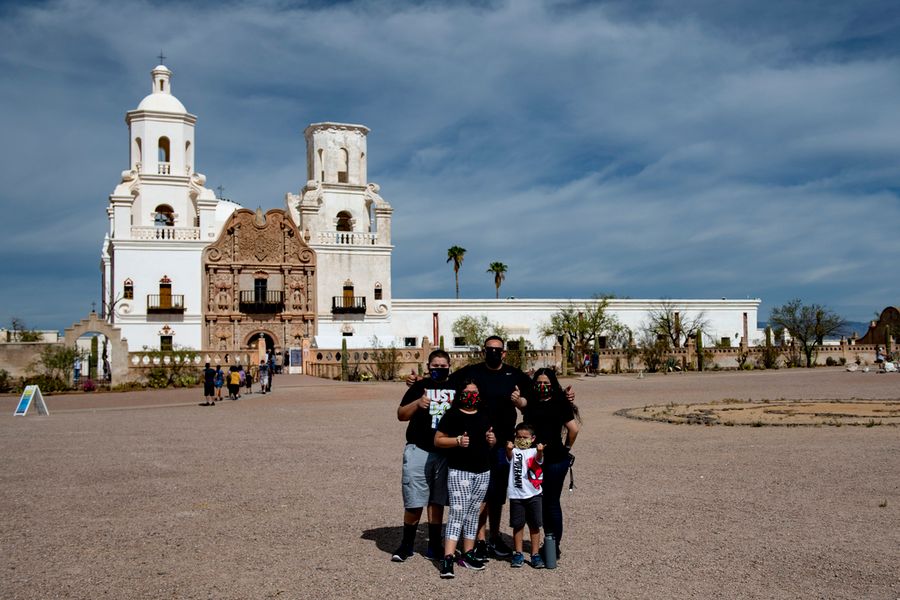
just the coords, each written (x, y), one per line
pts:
(184, 269)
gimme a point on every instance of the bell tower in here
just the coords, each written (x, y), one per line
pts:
(348, 223)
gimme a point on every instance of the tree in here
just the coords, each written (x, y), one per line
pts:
(499, 271)
(21, 332)
(57, 362)
(456, 254)
(676, 326)
(807, 324)
(474, 330)
(582, 324)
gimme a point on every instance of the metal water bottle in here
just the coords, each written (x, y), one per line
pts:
(550, 551)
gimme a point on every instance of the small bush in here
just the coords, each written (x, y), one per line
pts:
(88, 385)
(128, 386)
(6, 382)
(47, 383)
(830, 362)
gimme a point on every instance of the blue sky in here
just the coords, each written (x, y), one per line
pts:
(648, 149)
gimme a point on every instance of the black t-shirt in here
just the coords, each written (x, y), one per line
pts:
(548, 419)
(423, 423)
(476, 458)
(209, 376)
(495, 388)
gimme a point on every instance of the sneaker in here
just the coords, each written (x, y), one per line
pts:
(401, 554)
(435, 553)
(536, 561)
(518, 560)
(469, 561)
(447, 567)
(481, 551)
(500, 549)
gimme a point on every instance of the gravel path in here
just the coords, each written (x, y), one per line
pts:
(296, 495)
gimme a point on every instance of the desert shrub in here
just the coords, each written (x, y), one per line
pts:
(47, 383)
(6, 382)
(88, 385)
(128, 386)
(830, 362)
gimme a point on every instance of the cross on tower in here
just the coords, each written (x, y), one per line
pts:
(162, 58)
(221, 190)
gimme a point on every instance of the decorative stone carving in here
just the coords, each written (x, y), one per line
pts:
(297, 285)
(222, 333)
(222, 285)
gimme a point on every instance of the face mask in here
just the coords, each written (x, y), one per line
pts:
(523, 444)
(469, 400)
(544, 391)
(493, 357)
(440, 373)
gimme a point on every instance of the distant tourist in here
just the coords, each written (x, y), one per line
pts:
(234, 383)
(209, 386)
(219, 381)
(263, 376)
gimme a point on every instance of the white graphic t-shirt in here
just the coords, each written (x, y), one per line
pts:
(525, 474)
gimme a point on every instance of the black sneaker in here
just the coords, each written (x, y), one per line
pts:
(469, 561)
(401, 554)
(447, 567)
(500, 549)
(481, 551)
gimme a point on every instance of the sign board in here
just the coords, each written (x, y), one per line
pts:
(31, 394)
(296, 359)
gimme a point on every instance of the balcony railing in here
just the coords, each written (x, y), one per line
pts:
(346, 238)
(165, 233)
(164, 168)
(343, 305)
(165, 303)
(262, 301)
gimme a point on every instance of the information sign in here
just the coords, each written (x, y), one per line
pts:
(31, 394)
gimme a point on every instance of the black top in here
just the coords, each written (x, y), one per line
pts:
(209, 375)
(549, 417)
(423, 423)
(476, 458)
(495, 388)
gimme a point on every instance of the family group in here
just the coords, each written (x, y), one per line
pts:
(467, 449)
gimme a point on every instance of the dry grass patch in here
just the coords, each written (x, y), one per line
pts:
(729, 411)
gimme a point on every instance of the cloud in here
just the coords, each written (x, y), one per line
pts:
(641, 148)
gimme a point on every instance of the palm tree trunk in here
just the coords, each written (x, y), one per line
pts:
(457, 283)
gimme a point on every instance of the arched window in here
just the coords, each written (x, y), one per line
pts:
(344, 221)
(128, 293)
(164, 216)
(321, 166)
(137, 152)
(378, 292)
(187, 156)
(343, 169)
(163, 149)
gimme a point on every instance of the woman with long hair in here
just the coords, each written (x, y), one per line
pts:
(556, 423)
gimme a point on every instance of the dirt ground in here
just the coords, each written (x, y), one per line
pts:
(296, 494)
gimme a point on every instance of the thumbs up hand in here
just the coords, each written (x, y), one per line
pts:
(464, 439)
(570, 394)
(490, 437)
(516, 396)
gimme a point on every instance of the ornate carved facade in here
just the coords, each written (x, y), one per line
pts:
(259, 277)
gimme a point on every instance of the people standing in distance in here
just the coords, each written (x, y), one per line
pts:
(524, 490)
(271, 363)
(552, 413)
(263, 376)
(424, 476)
(219, 382)
(466, 433)
(209, 386)
(234, 382)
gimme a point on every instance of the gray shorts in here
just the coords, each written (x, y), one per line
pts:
(424, 478)
(526, 510)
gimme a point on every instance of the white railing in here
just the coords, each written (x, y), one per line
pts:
(163, 168)
(165, 233)
(346, 238)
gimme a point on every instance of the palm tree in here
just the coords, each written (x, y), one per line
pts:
(456, 254)
(499, 271)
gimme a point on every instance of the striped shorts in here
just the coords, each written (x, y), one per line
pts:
(467, 492)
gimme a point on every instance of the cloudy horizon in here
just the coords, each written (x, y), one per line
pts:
(647, 149)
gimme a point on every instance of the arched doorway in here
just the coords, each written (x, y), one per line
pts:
(110, 359)
(260, 344)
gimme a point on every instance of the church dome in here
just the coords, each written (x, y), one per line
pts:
(161, 98)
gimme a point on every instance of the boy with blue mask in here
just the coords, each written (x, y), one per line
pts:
(424, 477)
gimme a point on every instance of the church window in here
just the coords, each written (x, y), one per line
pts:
(343, 169)
(321, 166)
(165, 293)
(344, 219)
(409, 342)
(260, 287)
(137, 151)
(348, 295)
(187, 156)
(165, 343)
(459, 341)
(128, 293)
(163, 149)
(378, 291)
(164, 216)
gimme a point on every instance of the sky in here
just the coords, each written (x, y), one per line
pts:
(647, 149)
